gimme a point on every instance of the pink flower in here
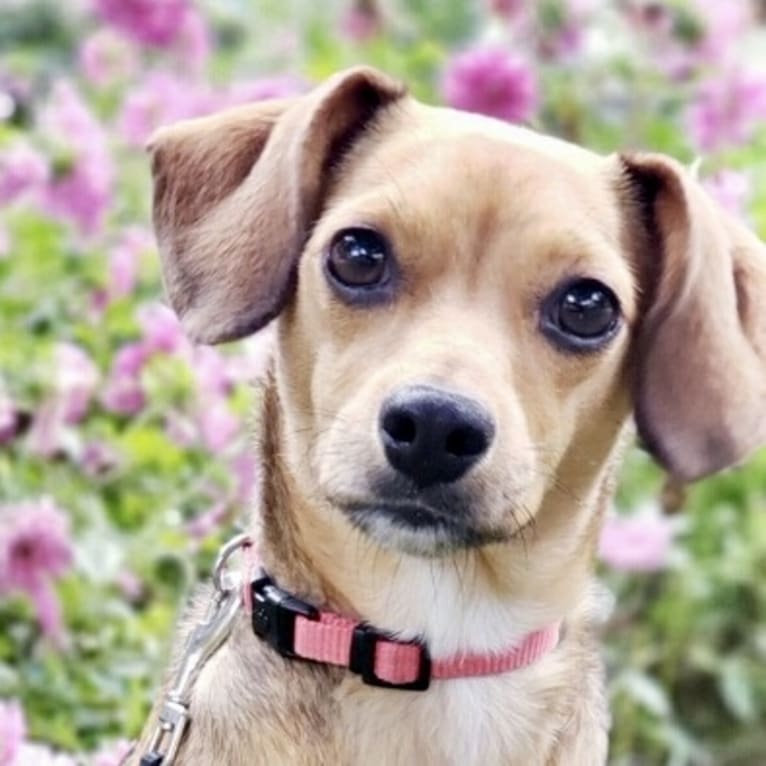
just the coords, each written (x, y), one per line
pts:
(731, 189)
(724, 26)
(655, 25)
(218, 425)
(161, 98)
(67, 118)
(508, 9)
(206, 523)
(113, 754)
(211, 370)
(650, 17)
(123, 393)
(261, 88)
(124, 261)
(710, 39)
(493, 82)
(35, 544)
(180, 429)
(194, 44)
(563, 43)
(75, 378)
(563, 38)
(81, 190)
(130, 585)
(151, 22)
(683, 40)
(123, 396)
(98, 458)
(35, 549)
(48, 430)
(22, 170)
(98, 304)
(105, 58)
(130, 359)
(83, 194)
(728, 109)
(13, 730)
(161, 329)
(638, 543)
(359, 24)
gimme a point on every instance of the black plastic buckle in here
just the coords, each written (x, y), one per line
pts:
(274, 615)
(362, 659)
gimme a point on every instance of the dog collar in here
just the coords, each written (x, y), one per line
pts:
(298, 630)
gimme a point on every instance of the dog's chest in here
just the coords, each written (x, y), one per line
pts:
(465, 722)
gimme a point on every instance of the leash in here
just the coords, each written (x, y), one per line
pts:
(204, 641)
(299, 630)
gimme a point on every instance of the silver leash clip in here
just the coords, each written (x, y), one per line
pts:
(203, 642)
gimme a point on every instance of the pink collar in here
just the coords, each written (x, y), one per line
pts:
(298, 630)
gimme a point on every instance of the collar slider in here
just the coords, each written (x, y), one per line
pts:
(274, 614)
(364, 642)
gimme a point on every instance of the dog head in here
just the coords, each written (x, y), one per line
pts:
(469, 311)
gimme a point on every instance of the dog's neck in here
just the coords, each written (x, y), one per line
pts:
(476, 600)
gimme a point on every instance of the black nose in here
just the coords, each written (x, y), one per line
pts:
(433, 436)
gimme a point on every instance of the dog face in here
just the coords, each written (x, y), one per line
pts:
(469, 311)
(460, 342)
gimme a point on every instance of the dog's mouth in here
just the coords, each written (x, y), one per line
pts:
(415, 527)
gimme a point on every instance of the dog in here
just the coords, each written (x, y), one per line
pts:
(470, 318)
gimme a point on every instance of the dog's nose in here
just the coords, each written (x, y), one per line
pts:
(433, 436)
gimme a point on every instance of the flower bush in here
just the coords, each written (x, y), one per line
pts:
(124, 450)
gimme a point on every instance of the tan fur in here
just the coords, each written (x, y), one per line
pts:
(485, 220)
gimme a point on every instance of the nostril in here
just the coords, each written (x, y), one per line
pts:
(466, 441)
(401, 427)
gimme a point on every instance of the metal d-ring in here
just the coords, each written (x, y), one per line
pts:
(226, 552)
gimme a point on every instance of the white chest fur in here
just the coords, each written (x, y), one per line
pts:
(497, 720)
(524, 717)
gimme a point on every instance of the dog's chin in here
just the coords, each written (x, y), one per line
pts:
(415, 529)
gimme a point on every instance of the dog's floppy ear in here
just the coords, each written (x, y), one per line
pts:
(236, 194)
(700, 376)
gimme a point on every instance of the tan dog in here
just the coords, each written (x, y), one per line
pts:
(469, 314)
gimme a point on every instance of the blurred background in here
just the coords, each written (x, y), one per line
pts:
(124, 454)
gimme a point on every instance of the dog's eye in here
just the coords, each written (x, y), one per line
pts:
(358, 258)
(581, 315)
